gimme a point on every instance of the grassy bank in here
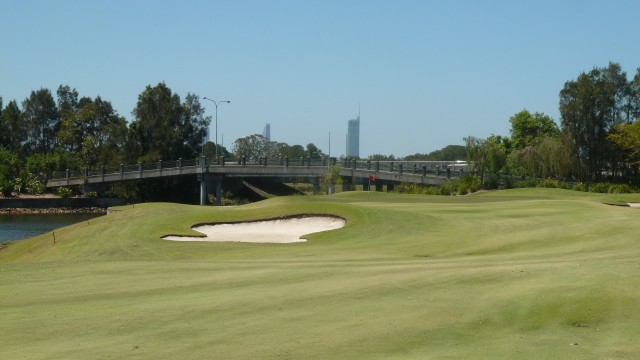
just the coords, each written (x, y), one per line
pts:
(540, 273)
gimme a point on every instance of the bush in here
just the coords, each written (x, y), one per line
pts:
(6, 187)
(549, 184)
(447, 189)
(621, 189)
(493, 182)
(468, 184)
(527, 183)
(602, 188)
(64, 192)
(33, 186)
(579, 187)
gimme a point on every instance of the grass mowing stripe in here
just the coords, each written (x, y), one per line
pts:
(519, 274)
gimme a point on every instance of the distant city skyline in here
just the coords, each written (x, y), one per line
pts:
(428, 73)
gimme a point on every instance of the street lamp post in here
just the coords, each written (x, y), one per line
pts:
(216, 103)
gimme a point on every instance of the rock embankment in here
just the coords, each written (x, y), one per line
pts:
(25, 211)
(48, 205)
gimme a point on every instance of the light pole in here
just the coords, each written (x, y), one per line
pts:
(216, 103)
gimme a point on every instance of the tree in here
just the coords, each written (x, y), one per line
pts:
(527, 128)
(627, 137)
(254, 147)
(447, 153)
(165, 129)
(294, 152)
(67, 100)
(496, 150)
(41, 120)
(314, 152)
(477, 153)
(589, 107)
(380, 157)
(12, 131)
(194, 125)
(91, 129)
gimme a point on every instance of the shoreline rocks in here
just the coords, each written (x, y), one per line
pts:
(42, 211)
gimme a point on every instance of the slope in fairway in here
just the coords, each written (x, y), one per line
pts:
(513, 274)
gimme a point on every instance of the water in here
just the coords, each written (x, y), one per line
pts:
(16, 227)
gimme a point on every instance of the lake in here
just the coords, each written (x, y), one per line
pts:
(16, 227)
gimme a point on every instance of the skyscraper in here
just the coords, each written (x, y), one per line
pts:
(353, 137)
(266, 132)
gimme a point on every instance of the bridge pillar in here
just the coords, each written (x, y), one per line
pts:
(316, 185)
(390, 187)
(347, 183)
(379, 186)
(203, 182)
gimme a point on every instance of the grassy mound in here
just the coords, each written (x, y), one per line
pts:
(540, 273)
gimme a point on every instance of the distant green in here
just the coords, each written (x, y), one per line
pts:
(516, 274)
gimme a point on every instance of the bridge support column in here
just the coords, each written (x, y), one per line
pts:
(390, 187)
(379, 186)
(316, 185)
(366, 185)
(218, 181)
(347, 183)
(214, 186)
(203, 182)
(203, 190)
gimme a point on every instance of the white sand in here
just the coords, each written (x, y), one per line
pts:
(271, 231)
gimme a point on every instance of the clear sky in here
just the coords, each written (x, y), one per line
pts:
(423, 73)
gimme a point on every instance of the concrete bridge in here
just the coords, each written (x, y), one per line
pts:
(212, 175)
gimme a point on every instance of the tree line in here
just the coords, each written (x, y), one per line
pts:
(598, 138)
(47, 133)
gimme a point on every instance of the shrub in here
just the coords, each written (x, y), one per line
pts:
(64, 192)
(579, 187)
(549, 184)
(17, 186)
(447, 188)
(468, 184)
(527, 183)
(33, 186)
(621, 189)
(599, 188)
(493, 182)
(6, 187)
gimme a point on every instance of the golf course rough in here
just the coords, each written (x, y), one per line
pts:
(522, 274)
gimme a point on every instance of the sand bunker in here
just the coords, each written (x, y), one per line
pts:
(270, 231)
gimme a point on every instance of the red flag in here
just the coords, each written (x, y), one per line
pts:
(372, 178)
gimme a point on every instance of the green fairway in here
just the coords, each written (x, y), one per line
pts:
(537, 274)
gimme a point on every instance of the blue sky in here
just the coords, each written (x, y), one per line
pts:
(425, 73)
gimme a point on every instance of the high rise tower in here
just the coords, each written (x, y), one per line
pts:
(266, 132)
(353, 137)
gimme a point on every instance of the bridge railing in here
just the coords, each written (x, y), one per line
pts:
(437, 168)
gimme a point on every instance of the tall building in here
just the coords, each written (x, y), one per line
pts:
(353, 137)
(266, 132)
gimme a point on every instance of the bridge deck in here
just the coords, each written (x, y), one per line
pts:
(428, 173)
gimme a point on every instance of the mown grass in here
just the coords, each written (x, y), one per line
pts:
(541, 273)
